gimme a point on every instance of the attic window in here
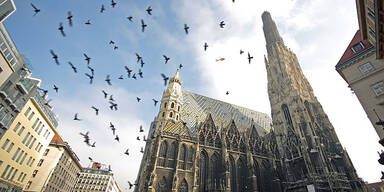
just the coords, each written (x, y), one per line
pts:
(357, 47)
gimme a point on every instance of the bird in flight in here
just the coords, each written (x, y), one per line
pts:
(140, 73)
(249, 58)
(108, 80)
(76, 118)
(111, 98)
(88, 59)
(138, 138)
(113, 3)
(115, 47)
(105, 94)
(144, 139)
(90, 159)
(126, 152)
(227, 93)
(241, 52)
(149, 10)
(129, 71)
(117, 138)
(186, 28)
(102, 8)
(155, 101)
(113, 128)
(56, 88)
(121, 77)
(55, 57)
(166, 59)
(130, 18)
(90, 77)
(88, 22)
(205, 46)
(130, 184)
(220, 59)
(142, 63)
(93, 144)
(138, 99)
(73, 67)
(92, 70)
(61, 29)
(35, 9)
(69, 17)
(134, 76)
(96, 110)
(165, 78)
(141, 129)
(138, 57)
(143, 25)
(222, 24)
(111, 42)
(141, 150)
(43, 90)
(113, 106)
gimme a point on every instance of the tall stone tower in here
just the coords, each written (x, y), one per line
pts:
(312, 157)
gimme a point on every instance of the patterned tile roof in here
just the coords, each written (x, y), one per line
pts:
(196, 108)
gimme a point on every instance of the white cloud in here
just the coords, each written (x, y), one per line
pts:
(127, 121)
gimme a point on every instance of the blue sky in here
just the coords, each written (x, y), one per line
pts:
(318, 31)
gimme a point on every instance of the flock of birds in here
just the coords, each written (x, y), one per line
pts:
(113, 105)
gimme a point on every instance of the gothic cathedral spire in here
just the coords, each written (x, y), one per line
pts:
(309, 146)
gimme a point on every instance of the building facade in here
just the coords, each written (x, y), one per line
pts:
(362, 63)
(25, 142)
(96, 179)
(57, 170)
(199, 144)
(7, 7)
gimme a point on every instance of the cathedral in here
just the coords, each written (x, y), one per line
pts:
(199, 144)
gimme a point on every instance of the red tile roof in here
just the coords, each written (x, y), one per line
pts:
(349, 53)
(57, 139)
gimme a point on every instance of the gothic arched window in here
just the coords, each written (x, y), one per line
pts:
(183, 156)
(215, 171)
(177, 117)
(172, 105)
(232, 173)
(165, 105)
(163, 153)
(172, 154)
(183, 186)
(203, 172)
(287, 115)
(242, 175)
(178, 108)
(171, 114)
(190, 155)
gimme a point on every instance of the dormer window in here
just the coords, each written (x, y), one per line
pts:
(357, 47)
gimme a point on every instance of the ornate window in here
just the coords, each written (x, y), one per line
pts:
(183, 157)
(203, 172)
(172, 105)
(190, 155)
(172, 154)
(183, 186)
(171, 114)
(215, 171)
(242, 175)
(287, 115)
(163, 153)
(232, 173)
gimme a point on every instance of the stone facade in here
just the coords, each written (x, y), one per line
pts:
(96, 179)
(57, 170)
(198, 144)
